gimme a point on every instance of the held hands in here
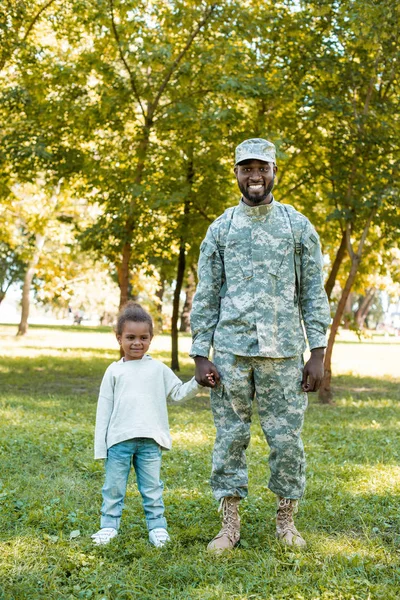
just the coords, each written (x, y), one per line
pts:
(207, 375)
(313, 372)
(211, 380)
(206, 372)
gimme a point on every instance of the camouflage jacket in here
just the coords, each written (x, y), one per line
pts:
(257, 311)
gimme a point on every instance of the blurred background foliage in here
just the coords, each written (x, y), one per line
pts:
(118, 123)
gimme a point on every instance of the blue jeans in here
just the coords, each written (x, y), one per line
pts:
(145, 455)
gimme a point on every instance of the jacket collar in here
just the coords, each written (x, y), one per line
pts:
(256, 211)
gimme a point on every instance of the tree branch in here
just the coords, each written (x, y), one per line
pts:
(121, 54)
(330, 282)
(348, 241)
(6, 54)
(36, 18)
(204, 214)
(182, 98)
(388, 85)
(366, 229)
(178, 59)
(287, 164)
(297, 186)
(371, 87)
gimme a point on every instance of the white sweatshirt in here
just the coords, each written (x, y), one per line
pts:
(133, 402)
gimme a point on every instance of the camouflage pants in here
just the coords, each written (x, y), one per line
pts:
(276, 385)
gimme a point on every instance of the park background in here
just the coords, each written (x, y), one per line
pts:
(118, 124)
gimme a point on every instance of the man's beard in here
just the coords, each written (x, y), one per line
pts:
(257, 199)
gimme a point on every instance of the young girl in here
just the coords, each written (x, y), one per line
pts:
(132, 425)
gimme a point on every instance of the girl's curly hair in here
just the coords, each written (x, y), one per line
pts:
(132, 311)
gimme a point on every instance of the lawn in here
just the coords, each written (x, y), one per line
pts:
(50, 487)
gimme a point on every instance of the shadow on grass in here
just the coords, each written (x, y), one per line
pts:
(393, 341)
(75, 328)
(49, 351)
(51, 375)
(50, 486)
(362, 388)
(64, 375)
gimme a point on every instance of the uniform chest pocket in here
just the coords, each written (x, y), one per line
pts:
(238, 263)
(282, 263)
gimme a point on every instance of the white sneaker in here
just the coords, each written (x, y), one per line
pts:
(103, 536)
(159, 537)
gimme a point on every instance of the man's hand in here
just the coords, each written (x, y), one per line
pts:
(206, 372)
(313, 371)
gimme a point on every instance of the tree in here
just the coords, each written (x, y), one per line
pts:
(140, 62)
(43, 234)
(36, 157)
(336, 67)
(190, 289)
(17, 21)
(12, 268)
(129, 107)
(26, 288)
(350, 102)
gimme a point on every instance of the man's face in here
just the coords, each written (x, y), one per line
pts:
(255, 180)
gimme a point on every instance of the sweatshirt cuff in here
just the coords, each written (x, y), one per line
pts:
(199, 387)
(194, 385)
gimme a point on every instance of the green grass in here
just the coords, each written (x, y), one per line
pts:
(50, 486)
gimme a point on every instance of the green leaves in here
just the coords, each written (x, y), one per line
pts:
(119, 99)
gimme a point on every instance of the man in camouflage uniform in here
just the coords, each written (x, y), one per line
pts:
(260, 276)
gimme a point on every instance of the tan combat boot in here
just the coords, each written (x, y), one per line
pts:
(229, 535)
(286, 532)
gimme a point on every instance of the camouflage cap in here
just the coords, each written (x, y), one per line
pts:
(255, 148)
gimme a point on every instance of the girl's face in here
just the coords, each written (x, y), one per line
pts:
(135, 340)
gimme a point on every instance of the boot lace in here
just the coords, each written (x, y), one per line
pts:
(286, 510)
(230, 517)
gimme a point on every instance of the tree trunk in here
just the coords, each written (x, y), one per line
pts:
(187, 307)
(123, 275)
(175, 306)
(325, 392)
(3, 292)
(330, 282)
(124, 266)
(348, 311)
(364, 308)
(367, 310)
(148, 112)
(30, 272)
(160, 295)
(181, 265)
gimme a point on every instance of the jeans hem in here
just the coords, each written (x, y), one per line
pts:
(156, 523)
(110, 522)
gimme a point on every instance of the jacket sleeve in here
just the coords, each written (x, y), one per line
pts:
(176, 390)
(206, 302)
(313, 299)
(105, 406)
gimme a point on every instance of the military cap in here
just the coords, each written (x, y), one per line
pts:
(255, 148)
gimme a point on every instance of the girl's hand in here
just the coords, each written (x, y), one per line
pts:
(211, 379)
